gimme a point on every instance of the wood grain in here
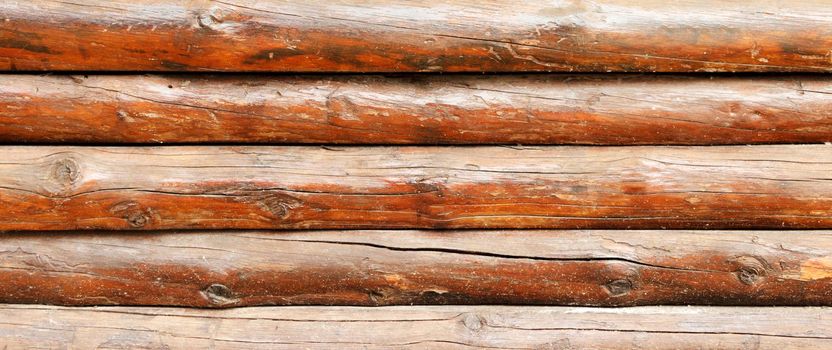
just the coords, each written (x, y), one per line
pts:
(302, 187)
(244, 268)
(411, 36)
(446, 327)
(548, 109)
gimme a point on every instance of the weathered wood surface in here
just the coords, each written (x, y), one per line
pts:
(66, 188)
(242, 268)
(435, 110)
(398, 36)
(425, 327)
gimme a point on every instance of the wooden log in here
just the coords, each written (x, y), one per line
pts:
(241, 268)
(410, 36)
(445, 327)
(611, 110)
(302, 187)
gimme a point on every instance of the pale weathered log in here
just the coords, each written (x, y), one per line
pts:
(67, 188)
(425, 35)
(549, 109)
(241, 268)
(425, 327)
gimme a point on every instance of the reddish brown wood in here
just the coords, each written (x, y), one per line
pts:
(66, 188)
(446, 327)
(607, 268)
(448, 110)
(398, 36)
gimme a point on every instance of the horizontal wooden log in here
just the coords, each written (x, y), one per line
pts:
(410, 36)
(301, 187)
(612, 110)
(241, 268)
(446, 327)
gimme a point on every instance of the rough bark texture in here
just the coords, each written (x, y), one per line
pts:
(65, 188)
(610, 110)
(445, 327)
(606, 268)
(399, 35)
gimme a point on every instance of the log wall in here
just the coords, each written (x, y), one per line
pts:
(237, 174)
(417, 36)
(249, 268)
(448, 327)
(69, 188)
(537, 109)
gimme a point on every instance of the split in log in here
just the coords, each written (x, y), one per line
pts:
(596, 110)
(410, 36)
(241, 268)
(304, 187)
(417, 327)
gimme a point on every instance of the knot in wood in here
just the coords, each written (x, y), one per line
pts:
(376, 296)
(219, 294)
(473, 322)
(137, 219)
(618, 288)
(278, 204)
(124, 116)
(751, 269)
(210, 17)
(65, 171)
(132, 212)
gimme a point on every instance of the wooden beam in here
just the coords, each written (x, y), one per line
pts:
(408, 36)
(68, 188)
(242, 268)
(446, 327)
(549, 109)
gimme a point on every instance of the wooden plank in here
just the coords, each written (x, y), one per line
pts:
(608, 110)
(301, 187)
(242, 268)
(446, 327)
(410, 36)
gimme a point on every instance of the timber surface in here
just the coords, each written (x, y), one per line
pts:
(249, 268)
(416, 327)
(417, 36)
(590, 110)
(302, 187)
